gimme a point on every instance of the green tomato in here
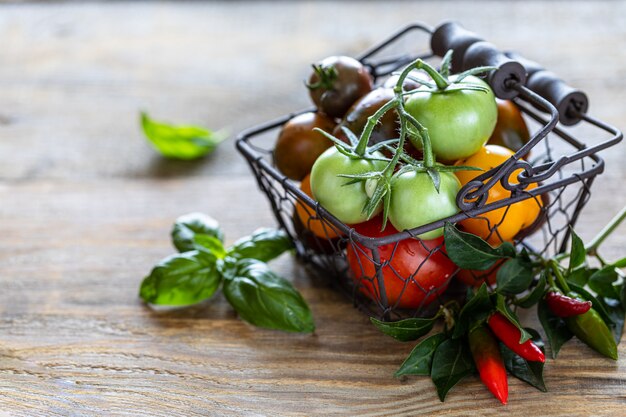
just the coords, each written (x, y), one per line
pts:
(345, 202)
(459, 122)
(415, 201)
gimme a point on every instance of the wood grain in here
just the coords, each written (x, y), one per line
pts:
(86, 207)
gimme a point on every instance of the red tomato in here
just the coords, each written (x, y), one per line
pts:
(474, 278)
(415, 271)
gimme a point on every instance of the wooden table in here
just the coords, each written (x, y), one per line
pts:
(86, 206)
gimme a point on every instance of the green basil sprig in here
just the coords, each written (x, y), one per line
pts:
(259, 296)
(180, 142)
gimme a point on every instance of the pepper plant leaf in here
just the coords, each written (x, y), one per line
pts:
(528, 371)
(419, 361)
(555, 328)
(468, 251)
(405, 330)
(452, 362)
(514, 276)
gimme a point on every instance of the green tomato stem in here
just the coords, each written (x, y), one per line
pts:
(427, 148)
(439, 79)
(559, 276)
(398, 153)
(371, 123)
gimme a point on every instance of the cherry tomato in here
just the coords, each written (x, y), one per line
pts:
(415, 201)
(345, 202)
(511, 130)
(309, 219)
(366, 106)
(298, 146)
(459, 122)
(336, 83)
(415, 271)
(500, 225)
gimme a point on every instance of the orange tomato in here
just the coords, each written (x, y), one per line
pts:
(499, 225)
(309, 218)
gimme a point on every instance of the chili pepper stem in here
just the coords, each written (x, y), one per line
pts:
(559, 276)
(606, 231)
(592, 247)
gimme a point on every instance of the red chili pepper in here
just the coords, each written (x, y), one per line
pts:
(488, 360)
(564, 306)
(510, 336)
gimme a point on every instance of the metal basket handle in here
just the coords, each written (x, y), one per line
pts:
(472, 51)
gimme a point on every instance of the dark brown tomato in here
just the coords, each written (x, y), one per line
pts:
(511, 130)
(336, 83)
(298, 146)
(356, 118)
(409, 84)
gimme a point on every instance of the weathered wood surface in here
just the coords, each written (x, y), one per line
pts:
(86, 206)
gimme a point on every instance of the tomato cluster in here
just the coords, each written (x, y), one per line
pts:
(351, 157)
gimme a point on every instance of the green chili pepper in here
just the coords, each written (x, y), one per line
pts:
(593, 331)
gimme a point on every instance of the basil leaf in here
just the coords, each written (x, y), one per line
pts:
(180, 142)
(181, 279)
(405, 330)
(535, 295)
(529, 372)
(601, 282)
(514, 276)
(209, 244)
(452, 362)
(555, 328)
(580, 276)
(468, 251)
(420, 359)
(264, 299)
(189, 225)
(577, 253)
(476, 309)
(263, 245)
(503, 308)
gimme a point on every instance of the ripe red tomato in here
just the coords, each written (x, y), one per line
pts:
(415, 271)
(474, 278)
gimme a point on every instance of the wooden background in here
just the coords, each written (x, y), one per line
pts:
(86, 206)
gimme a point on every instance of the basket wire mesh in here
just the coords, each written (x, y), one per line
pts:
(560, 167)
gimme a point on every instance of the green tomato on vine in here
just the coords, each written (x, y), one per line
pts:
(459, 119)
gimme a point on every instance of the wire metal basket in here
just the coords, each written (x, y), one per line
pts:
(557, 177)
